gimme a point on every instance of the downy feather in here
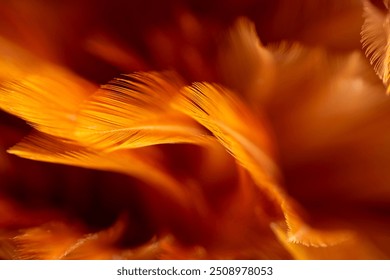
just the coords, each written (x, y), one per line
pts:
(246, 65)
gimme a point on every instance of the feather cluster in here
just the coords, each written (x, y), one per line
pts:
(284, 155)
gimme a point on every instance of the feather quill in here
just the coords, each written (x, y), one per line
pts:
(135, 111)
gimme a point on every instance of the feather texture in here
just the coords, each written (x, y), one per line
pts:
(245, 137)
(235, 127)
(375, 39)
(49, 104)
(135, 111)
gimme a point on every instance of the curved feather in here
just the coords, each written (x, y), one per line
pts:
(351, 245)
(135, 111)
(42, 147)
(246, 138)
(232, 123)
(375, 39)
(356, 236)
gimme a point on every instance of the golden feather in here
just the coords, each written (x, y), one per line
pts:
(45, 95)
(240, 132)
(135, 111)
(42, 147)
(246, 138)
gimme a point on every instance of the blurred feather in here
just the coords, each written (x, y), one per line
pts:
(114, 52)
(352, 247)
(332, 24)
(341, 235)
(7, 250)
(45, 95)
(41, 147)
(246, 65)
(242, 136)
(300, 231)
(232, 123)
(47, 242)
(135, 111)
(246, 138)
(330, 117)
(63, 240)
(66, 241)
(312, 112)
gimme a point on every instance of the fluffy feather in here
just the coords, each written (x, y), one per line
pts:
(246, 65)
(63, 241)
(334, 242)
(375, 39)
(135, 111)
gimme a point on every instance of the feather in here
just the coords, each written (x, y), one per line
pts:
(246, 65)
(45, 242)
(236, 129)
(354, 248)
(328, 242)
(375, 40)
(41, 147)
(49, 104)
(135, 111)
(246, 138)
(45, 95)
(299, 231)
(67, 241)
